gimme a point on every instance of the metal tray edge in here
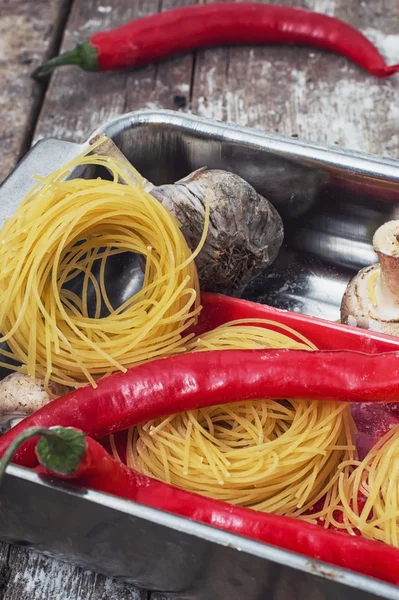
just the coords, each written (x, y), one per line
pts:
(212, 534)
(333, 156)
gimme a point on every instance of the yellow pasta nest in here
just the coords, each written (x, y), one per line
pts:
(369, 496)
(60, 232)
(270, 455)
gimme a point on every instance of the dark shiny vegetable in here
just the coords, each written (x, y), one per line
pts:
(200, 26)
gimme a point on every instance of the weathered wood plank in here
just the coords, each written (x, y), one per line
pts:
(30, 576)
(4, 568)
(26, 37)
(307, 93)
(295, 91)
(77, 102)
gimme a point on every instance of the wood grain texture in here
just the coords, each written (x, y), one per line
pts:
(26, 575)
(77, 101)
(307, 93)
(26, 37)
(294, 91)
(4, 568)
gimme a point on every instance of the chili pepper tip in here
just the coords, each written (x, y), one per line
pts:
(60, 449)
(84, 56)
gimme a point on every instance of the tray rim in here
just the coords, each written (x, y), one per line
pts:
(334, 156)
(354, 162)
(239, 543)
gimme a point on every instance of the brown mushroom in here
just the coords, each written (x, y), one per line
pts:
(371, 300)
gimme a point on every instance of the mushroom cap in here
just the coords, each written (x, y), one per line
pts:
(357, 306)
(21, 395)
(386, 239)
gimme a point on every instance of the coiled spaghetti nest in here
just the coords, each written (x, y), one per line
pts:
(64, 231)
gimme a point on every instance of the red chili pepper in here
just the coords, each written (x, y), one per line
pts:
(218, 310)
(185, 382)
(188, 28)
(68, 454)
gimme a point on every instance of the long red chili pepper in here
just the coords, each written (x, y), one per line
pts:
(200, 26)
(68, 454)
(189, 381)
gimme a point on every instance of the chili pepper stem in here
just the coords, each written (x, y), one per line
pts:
(60, 449)
(84, 55)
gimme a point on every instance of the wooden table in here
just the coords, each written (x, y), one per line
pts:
(296, 92)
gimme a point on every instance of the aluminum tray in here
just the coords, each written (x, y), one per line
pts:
(331, 201)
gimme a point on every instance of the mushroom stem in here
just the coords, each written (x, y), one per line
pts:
(386, 246)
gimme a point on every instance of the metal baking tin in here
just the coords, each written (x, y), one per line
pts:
(331, 201)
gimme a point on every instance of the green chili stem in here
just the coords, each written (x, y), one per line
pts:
(21, 439)
(84, 55)
(60, 449)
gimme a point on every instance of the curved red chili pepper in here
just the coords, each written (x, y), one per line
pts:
(189, 381)
(218, 309)
(200, 26)
(92, 467)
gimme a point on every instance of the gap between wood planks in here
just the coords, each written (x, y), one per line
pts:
(301, 92)
(53, 49)
(77, 102)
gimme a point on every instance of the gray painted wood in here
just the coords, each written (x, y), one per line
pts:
(26, 37)
(26, 575)
(306, 93)
(293, 91)
(77, 101)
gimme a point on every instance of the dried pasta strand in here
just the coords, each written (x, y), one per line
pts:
(274, 456)
(68, 228)
(375, 479)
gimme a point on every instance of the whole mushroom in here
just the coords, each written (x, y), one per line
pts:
(371, 300)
